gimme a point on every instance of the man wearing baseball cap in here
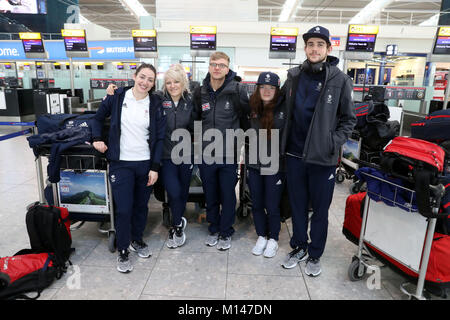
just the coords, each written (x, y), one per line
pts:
(320, 119)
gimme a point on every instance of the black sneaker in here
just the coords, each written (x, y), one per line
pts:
(294, 257)
(179, 237)
(123, 262)
(141, 248)
(313, 268)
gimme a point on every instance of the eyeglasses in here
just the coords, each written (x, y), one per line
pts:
(220, 65)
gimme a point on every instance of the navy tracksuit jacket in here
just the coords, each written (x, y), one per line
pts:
(129, 178)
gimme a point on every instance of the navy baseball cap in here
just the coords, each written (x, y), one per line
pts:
(317, 32)
(269, 78)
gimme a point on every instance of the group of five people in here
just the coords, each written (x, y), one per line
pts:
(309, 118)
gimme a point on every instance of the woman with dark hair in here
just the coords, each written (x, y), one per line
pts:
(134, 149)
(266, 185)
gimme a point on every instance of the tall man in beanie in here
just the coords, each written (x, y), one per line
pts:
(320, 119)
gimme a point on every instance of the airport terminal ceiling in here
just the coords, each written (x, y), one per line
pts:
(114, 15)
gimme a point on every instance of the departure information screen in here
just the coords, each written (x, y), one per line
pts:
(144, 40)
(361, 42)
(32, 42)
(203, 41)
(442, 43)
(283, 39)
(203, 38)
(283, 43)
(361, 38)
(74, 40)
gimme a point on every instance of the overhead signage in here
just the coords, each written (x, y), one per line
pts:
(335, 41)
(405, 93)
(32, 42)
(442, 41)
(119, 50)
(144, 40)
(391, 50)
(203, 37)
(74, 40)
(361, 38)
(283, 39)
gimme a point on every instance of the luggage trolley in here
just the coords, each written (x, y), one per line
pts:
(84, 188)
(394, 228)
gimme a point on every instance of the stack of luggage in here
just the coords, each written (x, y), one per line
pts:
(420, 163)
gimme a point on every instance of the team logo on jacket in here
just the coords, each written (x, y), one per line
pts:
(319, 86)
(167, 104)
(206, 106)
(113, 178)
(281, 115)
(227, 105)
(330, 99)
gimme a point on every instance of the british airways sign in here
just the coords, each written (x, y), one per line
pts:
(103, 50)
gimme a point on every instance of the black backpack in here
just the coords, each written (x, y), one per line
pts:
(49, 231)
(33, 270)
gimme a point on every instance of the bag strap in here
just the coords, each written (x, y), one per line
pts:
(422, 183)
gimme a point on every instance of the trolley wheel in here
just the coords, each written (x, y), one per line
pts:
(340, 177)
(355, 188)
(353, 270)
(167, 217)
(112, 241)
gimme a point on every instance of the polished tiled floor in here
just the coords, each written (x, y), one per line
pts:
(193, 271)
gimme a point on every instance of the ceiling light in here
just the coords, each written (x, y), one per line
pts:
(370, 11)
(288, 9)
(432, 21)
(135, 7)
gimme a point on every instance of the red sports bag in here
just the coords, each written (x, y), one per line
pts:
(419, 163)
(24, 273)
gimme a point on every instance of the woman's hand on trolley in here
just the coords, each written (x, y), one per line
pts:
(152, 177)
(100, 146)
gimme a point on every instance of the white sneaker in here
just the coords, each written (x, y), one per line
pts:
(271, 248)
(258, 249)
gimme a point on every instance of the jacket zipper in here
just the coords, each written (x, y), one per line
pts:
(308, 137)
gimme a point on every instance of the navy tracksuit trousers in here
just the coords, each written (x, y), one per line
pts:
(176, 180)
(219, 183)
(131, 195)
(309, 183)
(265, 192)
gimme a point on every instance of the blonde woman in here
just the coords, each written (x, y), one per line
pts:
(177, 107)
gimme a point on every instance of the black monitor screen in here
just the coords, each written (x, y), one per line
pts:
(203, 41)
(75, 44)
(283, 43)
(144, 44)
(120, 67)
(23, 6)
(7, 66)
(442, 44)
(361, 42)
(33, 45)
